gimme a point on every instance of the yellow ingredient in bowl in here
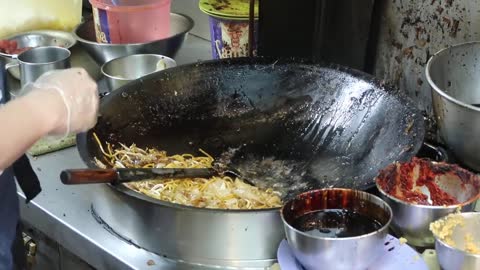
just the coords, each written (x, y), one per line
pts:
(470, 245)
(217, 192)
(444, 228)
(161, 65)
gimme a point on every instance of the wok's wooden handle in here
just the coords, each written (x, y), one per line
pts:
(88, 176)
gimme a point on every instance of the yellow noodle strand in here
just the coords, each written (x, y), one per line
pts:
(216, 192)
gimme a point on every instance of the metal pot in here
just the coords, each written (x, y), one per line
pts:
(327, 252)
(453, 74)
(38, 38)
(245, 239)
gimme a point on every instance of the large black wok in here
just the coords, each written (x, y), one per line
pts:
(289, 124)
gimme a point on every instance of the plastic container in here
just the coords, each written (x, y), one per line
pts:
(128, 21)
(229, 27)
(28, 15)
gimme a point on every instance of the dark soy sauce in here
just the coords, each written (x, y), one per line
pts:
(336, 223)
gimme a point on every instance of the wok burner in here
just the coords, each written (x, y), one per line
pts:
(196, 238)
(124, 239)
(109, 229)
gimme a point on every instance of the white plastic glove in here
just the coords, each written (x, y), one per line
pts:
(69, 97)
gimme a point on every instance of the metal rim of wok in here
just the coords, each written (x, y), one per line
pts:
(82, 138)
(435, 87)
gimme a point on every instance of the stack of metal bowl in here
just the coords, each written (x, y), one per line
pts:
(104, 52)
(452, 74)
(38, 38)
(122, 63)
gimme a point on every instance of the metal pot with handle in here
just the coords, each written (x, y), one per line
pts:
(454, 75)
(37, 61)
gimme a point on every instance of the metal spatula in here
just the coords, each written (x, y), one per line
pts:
(117, 176)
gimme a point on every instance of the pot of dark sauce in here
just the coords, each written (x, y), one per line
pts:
(336, 228)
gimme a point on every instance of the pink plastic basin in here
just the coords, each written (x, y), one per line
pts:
(123, 21)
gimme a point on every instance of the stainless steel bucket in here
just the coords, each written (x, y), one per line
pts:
(239, 239)
(454, 76)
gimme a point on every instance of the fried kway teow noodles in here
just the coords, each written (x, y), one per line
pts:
(216, 192)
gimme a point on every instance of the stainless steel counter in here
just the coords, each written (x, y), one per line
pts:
(63, 212)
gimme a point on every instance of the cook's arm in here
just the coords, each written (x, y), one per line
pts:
(59, 102)
(24, 121)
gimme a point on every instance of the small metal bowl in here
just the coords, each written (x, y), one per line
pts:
(36, 39)
(123, 70)
(411, 220)
(451, 250)
(352, 253)
(103, 52)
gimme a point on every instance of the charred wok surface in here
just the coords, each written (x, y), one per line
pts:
(287, 124)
